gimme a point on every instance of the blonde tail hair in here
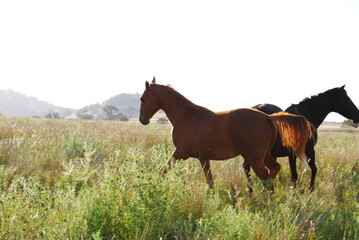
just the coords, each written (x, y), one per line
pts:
(295, 131)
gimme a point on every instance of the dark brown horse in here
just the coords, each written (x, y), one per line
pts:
(203, 134)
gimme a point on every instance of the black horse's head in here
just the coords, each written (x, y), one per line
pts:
(343, 105)
(149, 103)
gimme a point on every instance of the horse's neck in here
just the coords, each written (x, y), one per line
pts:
(319, 117)
(314, 111)
(175, 106)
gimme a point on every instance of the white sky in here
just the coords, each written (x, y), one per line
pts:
(219, 54)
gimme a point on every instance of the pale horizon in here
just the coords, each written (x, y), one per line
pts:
(221, 55)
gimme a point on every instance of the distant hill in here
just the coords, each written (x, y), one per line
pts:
(15, 104)
(127, 104)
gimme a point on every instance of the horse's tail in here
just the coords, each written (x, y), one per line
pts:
(294, 130)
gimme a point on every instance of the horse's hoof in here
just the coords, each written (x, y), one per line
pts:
(294, 185)
(249, 191)
(163, 170)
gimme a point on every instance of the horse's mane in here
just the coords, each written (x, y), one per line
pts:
(320, 96)
(168, 88)
(177, 96)
(171, 90)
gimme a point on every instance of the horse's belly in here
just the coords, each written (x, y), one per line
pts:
(217, 153)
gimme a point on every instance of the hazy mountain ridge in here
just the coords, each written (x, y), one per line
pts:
(16, 104)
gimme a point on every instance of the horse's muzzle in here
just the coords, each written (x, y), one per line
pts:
(144, 120)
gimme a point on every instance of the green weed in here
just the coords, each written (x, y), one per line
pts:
(66, 179)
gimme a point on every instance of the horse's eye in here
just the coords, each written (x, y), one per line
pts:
(141, 99)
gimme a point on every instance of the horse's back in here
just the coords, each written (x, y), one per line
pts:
(267, 108)
(246, 117)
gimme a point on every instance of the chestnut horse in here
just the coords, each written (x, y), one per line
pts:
(206, 135)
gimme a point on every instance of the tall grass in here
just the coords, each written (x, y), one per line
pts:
(66, 179)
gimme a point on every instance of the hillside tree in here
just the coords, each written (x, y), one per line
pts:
(53, 116)
(85, 114)
(112, 113)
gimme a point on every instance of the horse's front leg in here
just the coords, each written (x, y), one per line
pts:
(173, 159)
(207, 171)
(247, 171)
(166, 167)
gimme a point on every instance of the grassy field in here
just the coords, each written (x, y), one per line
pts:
(68, 179)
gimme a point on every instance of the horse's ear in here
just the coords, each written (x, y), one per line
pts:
(342, 87)
(154, 80)
(147, 85)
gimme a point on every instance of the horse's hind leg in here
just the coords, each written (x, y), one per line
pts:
(311, 162)
(293, 168)
(271, 165)
(262, 172)
(247, 171)
(207, 172)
